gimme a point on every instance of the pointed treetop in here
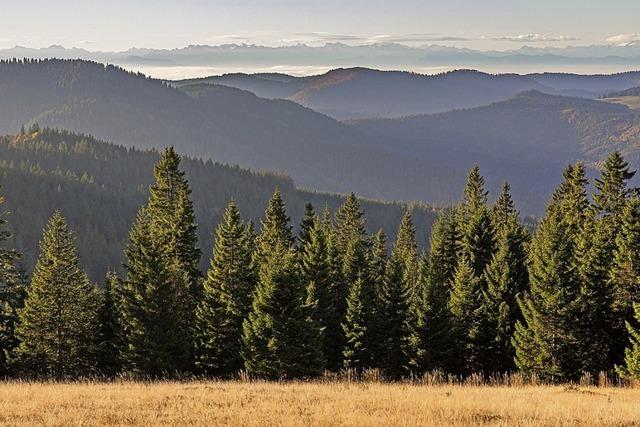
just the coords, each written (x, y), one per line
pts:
(474, 193)
(611, 187)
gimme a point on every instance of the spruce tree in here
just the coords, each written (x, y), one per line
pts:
(468, 319)
(507, 281)
(406, 248)
(281, 339)
(631, 367)
(399, 338)
(109, 332)
(281, 336)
(611, 188)
(545, 341)
(226, 300)
(147, 302)
(307, 223)
(173, 225)
(58, 324)
(315, 271)
(357, 326)
(625, 274)
(593, 253)
(437, 339)
(13, 286)
(503, 210)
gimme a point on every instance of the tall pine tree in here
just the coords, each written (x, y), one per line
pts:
(58, 324)
(227, 297)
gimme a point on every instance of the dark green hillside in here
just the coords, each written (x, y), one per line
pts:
(100, 186)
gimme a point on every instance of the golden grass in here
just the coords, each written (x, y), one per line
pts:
(317, 404)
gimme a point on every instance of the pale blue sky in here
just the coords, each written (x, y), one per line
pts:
(477, 24)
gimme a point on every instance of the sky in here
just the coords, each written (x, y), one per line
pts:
(117, 25)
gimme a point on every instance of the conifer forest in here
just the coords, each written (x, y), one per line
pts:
(557, 300)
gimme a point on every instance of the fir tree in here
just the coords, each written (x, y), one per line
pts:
(109, 333)
(13, 286)
(631, 367)
(315, 270)
(357, 353)
(625, 273)
(173, 225)
(437, 339)
(226, 300)
(276, 230)
(397, 323)
(469, 323)
(593, 258)
(507, 280)
(280, 335)
(58, 324)
(147, 302)
(307, 223)
(545, 341)
(406, 248)
(503, 210)
(611, 188)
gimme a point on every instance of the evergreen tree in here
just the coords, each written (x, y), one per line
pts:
(611, 188)
(507, 280)
(173, 225)
(227, 297)
(349, 223)
(631, 368)
(275, 228)
(315, 270)
(397, 323)
(108, 339)
(469, 323)
(307, 223)
(437, 339)
(546, 341)
(503, 210)
(357, 353)
(12, 294)
(147, 302)
(593, 252)
(58, 324)
(406, 248)
(625, 274)
(280, 336)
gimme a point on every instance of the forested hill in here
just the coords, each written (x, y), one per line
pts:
(527, 140)
(100, 186)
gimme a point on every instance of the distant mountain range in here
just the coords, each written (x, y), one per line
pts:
(360, 92)
(199, 60)
(527, 137)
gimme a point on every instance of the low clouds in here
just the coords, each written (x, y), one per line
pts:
(624, 39)
(534, 38)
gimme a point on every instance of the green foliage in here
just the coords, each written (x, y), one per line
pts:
(507, 280)
(109, 328)
(397, 323)
(631, 368)
(58, 324)
(13, 285)
(226, 299)
(147, 302)
(280, 336)
(545, 341)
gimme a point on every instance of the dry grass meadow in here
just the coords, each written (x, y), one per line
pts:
(316, 404)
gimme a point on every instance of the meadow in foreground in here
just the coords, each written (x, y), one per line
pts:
(297, 403)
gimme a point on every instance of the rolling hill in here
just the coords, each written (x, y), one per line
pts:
(353, 93)
(100, 186)
(526, 139)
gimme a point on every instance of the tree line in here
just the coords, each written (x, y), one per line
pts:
(489, 296)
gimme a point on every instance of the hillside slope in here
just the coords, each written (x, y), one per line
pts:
(364, 93)
(527, 140)
(100, 186)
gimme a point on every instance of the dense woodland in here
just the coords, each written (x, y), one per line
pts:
(99, 188)
(489, 296)
(528, 135)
